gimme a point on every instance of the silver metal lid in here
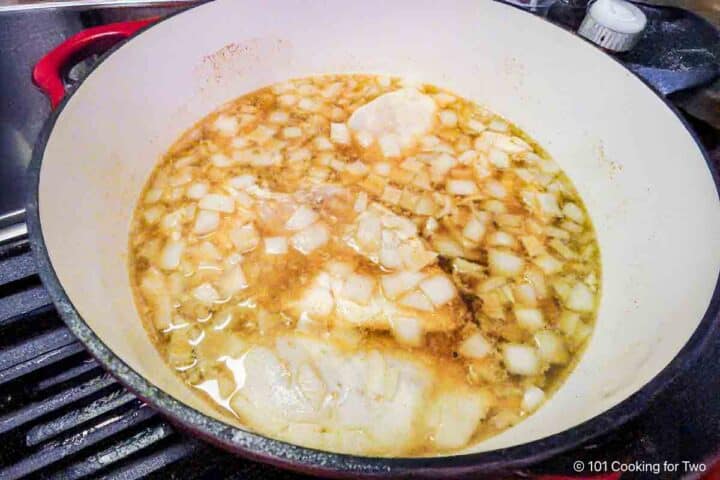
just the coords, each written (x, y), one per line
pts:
(613, 24)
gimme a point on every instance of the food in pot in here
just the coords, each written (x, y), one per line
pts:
(357, 264)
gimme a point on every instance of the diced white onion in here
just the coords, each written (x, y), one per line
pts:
(448, 118)
(276, 245)
(245, 237)
(369, 232)
(407, 330)
(447, 246)
(439, 289)
(441, 164)
(361, 202)
(322, 143)
(461, 187)
(417, 300)
(568, 322)
(171, 253)
(391, 195)
(474, 229)
(548, 205)
(498, 125)
(308, 105)
(548, 264)
(358, 288)
(313, 237)
(499, 158)
(475, 125)
(206, 221)
(551, 347)
(525, 294)
(521, 359)
(357, 168)
(501, 239)
(395, 284)
(292, 132)
(505, 263)
(581, 298)
(573, 212)
(529, 318)
(220, 160)
(242, 181)
(278, 116)
(495, 189)
(197, 190)
(233, 281)
(475, 346)
(339, 133)
(205, 293)
(217, 202)
(532, 399)
(302, 217)
(226, 125)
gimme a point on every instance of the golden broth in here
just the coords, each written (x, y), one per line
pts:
(359, 271)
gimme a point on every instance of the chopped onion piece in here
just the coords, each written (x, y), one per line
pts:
(357, 168)
(581, 298)
(242, 181)
(475, 346)
(197, 190)
(521, 359)
(548, 264)
(276, 245)
(308, 105)
(573, 212)
(206, 221)
(529, 318)
(504, 263)
(302, 217)
(461, 187)
(568, 322)
(448, 118)
(292, 132)
(498, 125)
(358, 288)
(313, 237)
(474, 229)
(322, 143)
(495, 189)
(278, 116)
(455, 416)
(441, 165)
(408, 330)
(369, 232)
(245, 238)
(475, 125)
(533, 246)
(501, 239)
(548, 205)
(171, 253)
(532, 399)
(206, 293)
(233, 281)
(499, 158)
(226, 125)
(418, 301)
(395, 284)
(447, 246)
(361, 202)
(525, 294)
(339, 133)
(551, 347)
(220, 160)
(217, 202)
(439, 289)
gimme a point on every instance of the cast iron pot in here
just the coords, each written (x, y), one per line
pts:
(649, 187)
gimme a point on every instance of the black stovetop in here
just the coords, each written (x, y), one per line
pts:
(63, 417)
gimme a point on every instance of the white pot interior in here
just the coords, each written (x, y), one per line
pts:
(644, 180)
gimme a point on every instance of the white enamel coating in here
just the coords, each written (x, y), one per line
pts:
(644, 180)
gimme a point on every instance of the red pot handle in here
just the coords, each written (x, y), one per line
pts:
(47, 73)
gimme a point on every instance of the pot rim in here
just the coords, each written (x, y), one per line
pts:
(257, 447)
